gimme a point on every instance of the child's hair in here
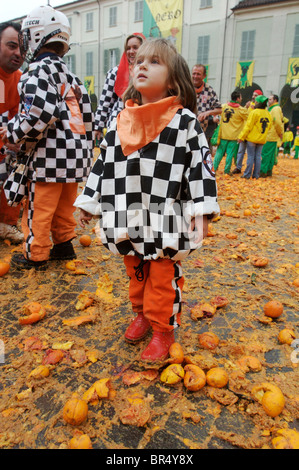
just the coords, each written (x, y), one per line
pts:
(179, 77)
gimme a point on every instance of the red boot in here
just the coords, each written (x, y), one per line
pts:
(158, 347)
(138, 329)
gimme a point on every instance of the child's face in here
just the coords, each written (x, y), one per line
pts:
(150, 78)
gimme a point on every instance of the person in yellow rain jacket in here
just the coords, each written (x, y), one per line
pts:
(233, 117)
(296, 144)
(275, 133)
(255, 133)
(287, 141)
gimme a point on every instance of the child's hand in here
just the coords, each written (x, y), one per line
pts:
(200, 224)
(84, 218)
(3, 134)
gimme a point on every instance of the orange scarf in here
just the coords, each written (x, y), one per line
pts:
(137, 125)
(199, 90)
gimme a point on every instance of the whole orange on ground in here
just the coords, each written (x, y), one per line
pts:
(217, 377)
(273, 309)
(75, 411)
(4, 268)
(176, 353)
(85, 240)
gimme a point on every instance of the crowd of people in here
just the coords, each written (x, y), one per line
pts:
(153, 185)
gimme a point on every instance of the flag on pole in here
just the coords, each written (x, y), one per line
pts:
(244, 74)
(293, 72)
(164, 18)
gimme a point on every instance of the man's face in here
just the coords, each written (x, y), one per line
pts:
(271, 100)
(198, 76)
(254, 95)
(10, 57)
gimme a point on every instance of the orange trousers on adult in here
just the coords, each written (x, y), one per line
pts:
(48, 211)
(159, 295)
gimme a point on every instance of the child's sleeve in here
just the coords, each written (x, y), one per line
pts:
(89, 199)
(200, 176)
(39, 103)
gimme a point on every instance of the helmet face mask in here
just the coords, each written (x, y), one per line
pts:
(43, 26)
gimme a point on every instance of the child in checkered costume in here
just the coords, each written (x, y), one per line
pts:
(56, 121)
(154, 188)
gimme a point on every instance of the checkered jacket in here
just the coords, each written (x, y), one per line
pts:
(43, 124)
(207, 99)
(146, 200)
(3, 166)
(109, 103)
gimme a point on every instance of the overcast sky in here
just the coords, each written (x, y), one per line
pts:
(11, 9)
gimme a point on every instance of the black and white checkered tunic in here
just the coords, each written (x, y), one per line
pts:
(207, 99)
(147, 199)
(43, 122)
(109, 103)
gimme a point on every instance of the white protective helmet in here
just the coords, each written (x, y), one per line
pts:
(44, 25)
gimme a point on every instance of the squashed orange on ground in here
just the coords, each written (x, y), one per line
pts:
(80, 441)
(271, 398)
(195, 378)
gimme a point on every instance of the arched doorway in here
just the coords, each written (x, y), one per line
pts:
(247, 92)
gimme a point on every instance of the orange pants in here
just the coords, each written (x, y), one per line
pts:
(48, 211)
(158, 295)
(8, 215)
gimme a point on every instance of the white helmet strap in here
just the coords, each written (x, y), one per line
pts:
(44, 40)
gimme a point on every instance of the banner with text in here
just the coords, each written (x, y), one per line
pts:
(164, 18)
(244, 74)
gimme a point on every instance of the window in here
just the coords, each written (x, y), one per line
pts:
(205, 3)
(71, 25)
(139, 10)
(203, 46)
(70, 61)
(296, 42)
(89, 21)
(89, 63)
(111, 58)
(247, 45)
(112, 16)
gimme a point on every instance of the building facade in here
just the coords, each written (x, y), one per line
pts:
(248, 42)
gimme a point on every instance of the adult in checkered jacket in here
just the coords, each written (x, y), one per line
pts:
(154, 188)
(55, 123)
(208, 104)
(116, 83)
